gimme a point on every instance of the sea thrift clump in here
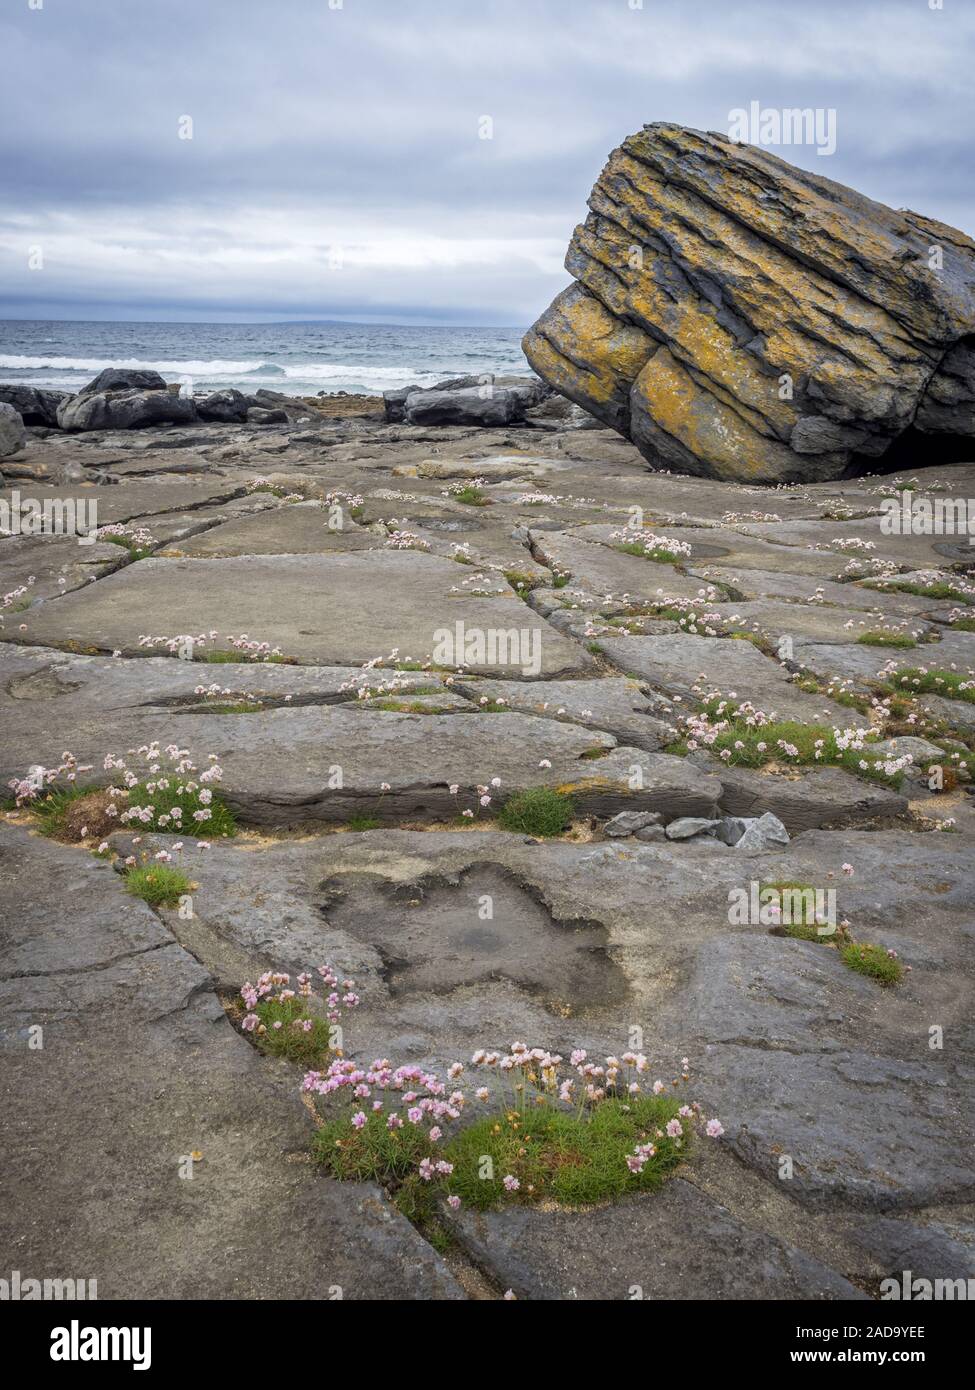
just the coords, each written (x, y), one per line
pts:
(613, 1125)
(405, 540)
(206, 647)
(743, 735)
(281, 1019)
(168, 794)
(653, 547)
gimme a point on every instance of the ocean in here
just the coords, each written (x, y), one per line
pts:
(298, 359)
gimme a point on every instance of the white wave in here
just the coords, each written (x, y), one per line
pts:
(291, 378)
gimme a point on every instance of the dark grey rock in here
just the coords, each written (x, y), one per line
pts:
(943, 1248)
(139, 1070)
(651, 834)
(35, 406)
(228, 405)
(125, 410)
(13, 436)
(394, 403)
(123, 379)
(804, 800)
(673, 1244)
(482, 406)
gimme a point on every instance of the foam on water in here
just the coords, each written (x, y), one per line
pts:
(298, 359)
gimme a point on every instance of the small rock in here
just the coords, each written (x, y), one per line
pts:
(763, 833)
(731, 828)
(629, 822)
(686, 827)
(259, 416)
(651, 833)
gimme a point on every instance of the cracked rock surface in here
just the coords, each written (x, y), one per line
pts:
(348, 760)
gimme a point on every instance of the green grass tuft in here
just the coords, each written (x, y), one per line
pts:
(471, 496)
(283, 1035)
(555, 1154)
(873, 961)
(538, 811)
(803, 737)
(159, 885)
(879, 638)
(50, 810)
(220, 658)
(951, 684)
(941, 589)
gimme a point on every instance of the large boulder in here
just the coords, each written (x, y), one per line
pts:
(12, 432)
(739, 318)
(489, 399)
(471, 405)
(124, 379)
(227, 406)
(33, 405)
(126, 410)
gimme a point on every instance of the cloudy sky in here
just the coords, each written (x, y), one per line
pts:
(336, 167)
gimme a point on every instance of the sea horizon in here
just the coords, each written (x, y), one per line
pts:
(296, 358)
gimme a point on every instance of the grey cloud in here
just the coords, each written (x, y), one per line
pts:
(359, 125)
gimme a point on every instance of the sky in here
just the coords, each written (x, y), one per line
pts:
(338, 165)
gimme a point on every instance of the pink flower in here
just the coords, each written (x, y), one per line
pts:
(358, 1120)
(511, 1184)
(714, 1129)
(453, 1203)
